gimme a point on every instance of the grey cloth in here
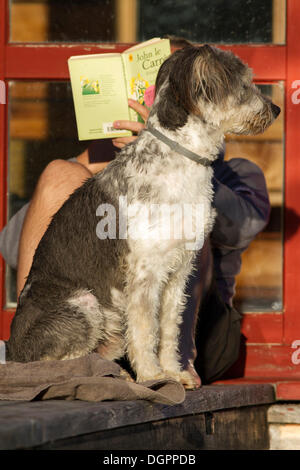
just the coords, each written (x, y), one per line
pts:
(89, 378)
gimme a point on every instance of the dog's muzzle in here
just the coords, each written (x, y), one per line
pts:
(275, 110)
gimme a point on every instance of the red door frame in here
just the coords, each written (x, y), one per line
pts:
(269, 335)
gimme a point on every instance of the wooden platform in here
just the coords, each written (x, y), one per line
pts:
(284, 426)
(214, 417)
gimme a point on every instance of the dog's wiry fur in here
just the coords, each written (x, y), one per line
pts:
(121, 296)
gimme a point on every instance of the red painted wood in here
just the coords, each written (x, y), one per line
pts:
(263, 328)
(3, 27)
(267, 62)
(3, 145)
(270, 361)
(7, 317)
(50, 61)
(292, 171)
(288, 391)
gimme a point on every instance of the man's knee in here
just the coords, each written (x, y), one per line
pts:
(60, 178)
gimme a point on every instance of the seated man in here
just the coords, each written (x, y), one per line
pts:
(210, 321)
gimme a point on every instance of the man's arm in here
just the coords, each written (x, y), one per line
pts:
(94, 168)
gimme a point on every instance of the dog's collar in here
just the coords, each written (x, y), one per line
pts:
(177, 147)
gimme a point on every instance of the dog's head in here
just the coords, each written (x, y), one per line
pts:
(214, 85)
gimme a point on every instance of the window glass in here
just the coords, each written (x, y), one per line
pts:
(42, 128)
(259, 284)
(214, 21)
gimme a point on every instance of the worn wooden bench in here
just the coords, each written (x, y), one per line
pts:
(214, 417)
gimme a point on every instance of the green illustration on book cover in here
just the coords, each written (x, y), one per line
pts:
(89, 86)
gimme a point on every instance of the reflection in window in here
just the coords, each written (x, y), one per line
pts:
(214, 21)
(42, 128)
(259, 285)
(218, 21)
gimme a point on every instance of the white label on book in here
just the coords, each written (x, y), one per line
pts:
(108, 128)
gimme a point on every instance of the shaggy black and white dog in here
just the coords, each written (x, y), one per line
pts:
(95, 285)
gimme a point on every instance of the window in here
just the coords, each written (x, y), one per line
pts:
(214, 21)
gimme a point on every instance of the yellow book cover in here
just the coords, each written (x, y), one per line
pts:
(102, 83)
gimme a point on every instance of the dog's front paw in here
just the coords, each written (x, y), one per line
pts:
(188, 377)
(190, 380)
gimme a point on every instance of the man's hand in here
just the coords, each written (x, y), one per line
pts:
(133, 126)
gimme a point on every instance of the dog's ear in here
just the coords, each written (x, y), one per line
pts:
(181, 89)
(193, 73)
(171, 112)
(217, 74)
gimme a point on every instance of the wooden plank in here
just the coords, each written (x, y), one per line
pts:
(284, 436)
(31, 91)
(269, 156)
(29, 21)
(49, 61)
(29, 120)
(126, 20)
(35, 423)
(288, 390)
(262, 264)
(271, 361)
(284, 413)
(279, 21)
(238, 429)
(267, 62)
(7, 316)
(17, 168)
(285, 388)
(262, 328)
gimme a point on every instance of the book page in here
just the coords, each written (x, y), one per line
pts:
(99, 94)
(144, 44)
(141, 64)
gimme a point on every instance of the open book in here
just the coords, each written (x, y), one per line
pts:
(102, 83)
